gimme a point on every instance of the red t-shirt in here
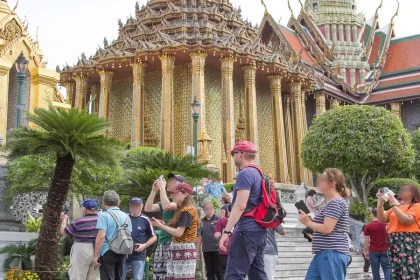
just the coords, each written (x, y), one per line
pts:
(378, 236)
(220, 227)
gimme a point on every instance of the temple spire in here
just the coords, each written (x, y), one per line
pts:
(265, 7)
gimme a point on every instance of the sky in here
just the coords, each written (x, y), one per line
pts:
(68, 28)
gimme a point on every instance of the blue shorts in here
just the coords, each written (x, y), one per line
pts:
(327, 265)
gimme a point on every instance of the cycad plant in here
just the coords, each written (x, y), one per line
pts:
(69, 135)
(19, 252)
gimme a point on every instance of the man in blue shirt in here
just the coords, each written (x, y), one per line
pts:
(110, 263)
(143, 237)
(246, 250)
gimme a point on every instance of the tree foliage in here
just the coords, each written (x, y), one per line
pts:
(415, 139)
(144, 165)
(365, 142)
(33, 173)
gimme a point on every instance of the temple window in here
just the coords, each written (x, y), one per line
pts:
(315, 7)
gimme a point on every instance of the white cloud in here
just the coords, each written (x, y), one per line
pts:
(68, 28)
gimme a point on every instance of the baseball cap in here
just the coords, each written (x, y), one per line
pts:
(183, 187)
(244, 146)
(179, 178)
(90, 204)
(136, 200)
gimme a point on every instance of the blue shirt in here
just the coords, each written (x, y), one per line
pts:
(142, 231)
(107, 223)
(216, 190)
(249, 179)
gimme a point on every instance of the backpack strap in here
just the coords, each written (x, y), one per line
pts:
(256, 167)
(117, 222)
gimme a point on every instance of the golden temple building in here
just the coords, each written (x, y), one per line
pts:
(261, 83)
(40, 85)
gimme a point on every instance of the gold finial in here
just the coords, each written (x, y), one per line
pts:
(265, 7)
(377, 10)
(300, 2)
(396, 13)
(290, 8)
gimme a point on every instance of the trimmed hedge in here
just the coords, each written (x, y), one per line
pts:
(229, 187)
(393, 184)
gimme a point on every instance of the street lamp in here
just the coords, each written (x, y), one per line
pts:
(195, 106)
(21, 68)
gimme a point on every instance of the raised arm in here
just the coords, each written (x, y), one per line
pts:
(150, 206)
(382, 215)
(166, 203)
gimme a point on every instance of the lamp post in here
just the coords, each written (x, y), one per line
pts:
(21, 68)
(196, 113)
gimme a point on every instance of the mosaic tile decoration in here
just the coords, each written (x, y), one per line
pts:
(31, 202)
(214, 112)
(120, 109)
(182, 108)
(153, 93)
(265, 129)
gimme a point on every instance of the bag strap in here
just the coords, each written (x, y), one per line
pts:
(256, 167)
(117, 222)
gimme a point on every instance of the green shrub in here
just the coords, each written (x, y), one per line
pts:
(215, 203)
(357, 209)
(229, 186)
(394, 184)
(33, 225)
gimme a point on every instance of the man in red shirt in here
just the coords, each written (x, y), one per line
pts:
(376, 247)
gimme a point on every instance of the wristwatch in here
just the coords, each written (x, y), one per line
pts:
(227, 232)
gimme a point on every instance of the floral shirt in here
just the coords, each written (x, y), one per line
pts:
(215, 189)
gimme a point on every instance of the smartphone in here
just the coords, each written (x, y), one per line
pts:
(160, 177)
(300, 205)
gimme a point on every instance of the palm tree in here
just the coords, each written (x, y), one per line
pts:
(19, 252)
(69, 135)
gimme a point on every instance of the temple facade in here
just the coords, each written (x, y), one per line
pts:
(39, 86)
(262, 83)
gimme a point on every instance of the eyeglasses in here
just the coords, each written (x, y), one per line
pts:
(235, 152)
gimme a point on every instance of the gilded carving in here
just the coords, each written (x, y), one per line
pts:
(81, 91)
(11, 31)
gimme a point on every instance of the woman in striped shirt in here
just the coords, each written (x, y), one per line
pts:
(330, 226)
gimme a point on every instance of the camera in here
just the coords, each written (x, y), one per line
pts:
(387, 193)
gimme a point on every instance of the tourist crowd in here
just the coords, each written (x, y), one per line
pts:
(235, 246)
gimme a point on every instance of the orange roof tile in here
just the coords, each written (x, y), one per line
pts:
(403, 55)
(378, 44)
(295, 42)
(390, 82)
(394, 94)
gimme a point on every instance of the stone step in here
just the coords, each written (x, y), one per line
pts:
(296, 258)
(301, 271)
(355, 276)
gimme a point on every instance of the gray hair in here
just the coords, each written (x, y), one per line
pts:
(111, 198)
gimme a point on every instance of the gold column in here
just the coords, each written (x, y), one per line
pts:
(396, 109)
(307, 175)
(167, 114)
(70, 92)
(81, 91)
(298, 126)
(228, 114)
(4, 96)
(106, 87)
(280, 156)
(290, 141)
(334, 103)
(94, 95)
(137, 131)
(250, 72)
(198, 61)
(320, 103)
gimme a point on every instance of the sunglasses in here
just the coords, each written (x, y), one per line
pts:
(233, 153)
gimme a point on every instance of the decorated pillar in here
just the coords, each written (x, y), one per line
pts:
(290, 142)
(354, 34)
(167, 114)
(327, 33)
(396, 109)
(4, 95)
(198, 62)
(81, 91)
(280, 149)
(362, 76)
(228, 115)
(251, 121)
(137, 131)
(348, 34)
(341, 32)
(320, 99)
(352, 76)
(70, 89)
(334, 103)
(106, 87)
(334, 33)
(299, 130)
